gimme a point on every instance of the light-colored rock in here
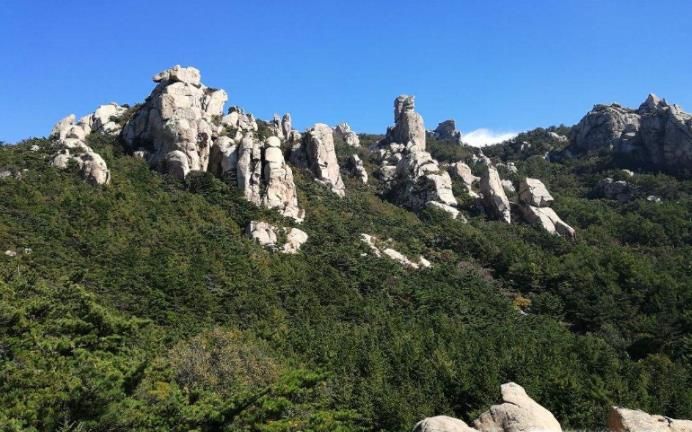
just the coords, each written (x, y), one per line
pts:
(280, 190)
(627, 420)
(518, 413)
(177, 121)
(494, 198)
(295, 238)
(620, 190)
(546, 218)
(451, 211)
(447, 130)
(357, 168)
(104, 119)
(10, 253)
(91, 165)
(249, 169)
(557, 137)
(463, 171)
(628, 173)
(286, 125)
(393, 254)
(508, 186)
(442, 424)
(344, 132)
(610, 127)
(35, 148)
(318, 153)
(262, 232)
(409, 128)
(533, 192)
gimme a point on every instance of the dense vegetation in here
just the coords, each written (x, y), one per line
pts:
(141, 306)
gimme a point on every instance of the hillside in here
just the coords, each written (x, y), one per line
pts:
(135, 300)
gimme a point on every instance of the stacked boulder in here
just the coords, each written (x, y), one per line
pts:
(535, 201)
(619, 190)
(356, 167)
(346, 134)
(657, 133)
(177, 124)
(180, 128)
(316, 153)
(627, 420)
(408, 171)
(268, 235)
(462, 171)
(447, 130)
(70, 138)
(494, 199)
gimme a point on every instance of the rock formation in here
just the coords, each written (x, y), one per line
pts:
(447, 130)
(410, 174)
(378, 251)
(658, 134)
(626, 420)
(442, 424)
(518, 413)
(495, 200)
(620, 190)
(178, 122)
(267, 235)
(357, 168)
(344, 132)
(534, 205)
(463, 172)
(70, 139)
(316, 153)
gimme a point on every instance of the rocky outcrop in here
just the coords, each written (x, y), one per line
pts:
(658, 134)
(316, 153)
(462, 171)
(627, 420)
(447, 130)
(379, 250)
(268, 235)
(344, 132)
(411, 176)
(534, 202)
(494, 198)
(442, 424)
(356, 167)
(518, 413)
(178, 122)
(619, 190)
(70, 137)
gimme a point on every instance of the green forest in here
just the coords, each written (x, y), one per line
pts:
(142, 305)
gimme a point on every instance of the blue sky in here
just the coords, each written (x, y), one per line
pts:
(501, 65)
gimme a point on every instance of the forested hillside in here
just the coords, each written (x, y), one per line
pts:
(142, 305)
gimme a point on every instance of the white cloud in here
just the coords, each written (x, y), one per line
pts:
(484, 137)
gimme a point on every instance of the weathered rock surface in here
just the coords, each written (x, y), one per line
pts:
(657, 133)
(494, 198)
(268, 235)
(627, 420)
(357, 168)
(316, 152)
(346, 134)
(177, 123)
(393, 254)
(546, 218)
(447, 130)
(620, 190)
(409, 128)
(533, 192)
(463, 171)
(442, 424)
(518, 413)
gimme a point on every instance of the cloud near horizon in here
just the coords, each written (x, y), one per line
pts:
(484, 137)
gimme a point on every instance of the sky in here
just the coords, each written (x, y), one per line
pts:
(495, 66)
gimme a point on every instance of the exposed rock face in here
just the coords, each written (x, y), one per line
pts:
(410, 173)
(533, 192)
(442, 424)
(267, 235)
(316, 152)
(518, 413)
(557, 137)
(70, 137)
(177, 122)
(617, 190)
(357, 168)
(280, 190)
(626, 420)
(344, 132)
(393, 254)
(463, 171)
(447, 130)
(534, 206)
(508, 186)
(494, 198)
(657, 133)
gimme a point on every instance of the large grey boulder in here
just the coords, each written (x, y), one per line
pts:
(607, 127)
(518, 413)
(279, 189)
(547, 219)
(344, 131)
(316, 152)
(409, 128)
(178, 122)
(619, 190)
(91, 165)
(462, 171)
(442, 424)
(627, 420)
(447, 130)
(495, 200)
(357, 168)
(267, 235)
(533, 192)
(379, 249)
